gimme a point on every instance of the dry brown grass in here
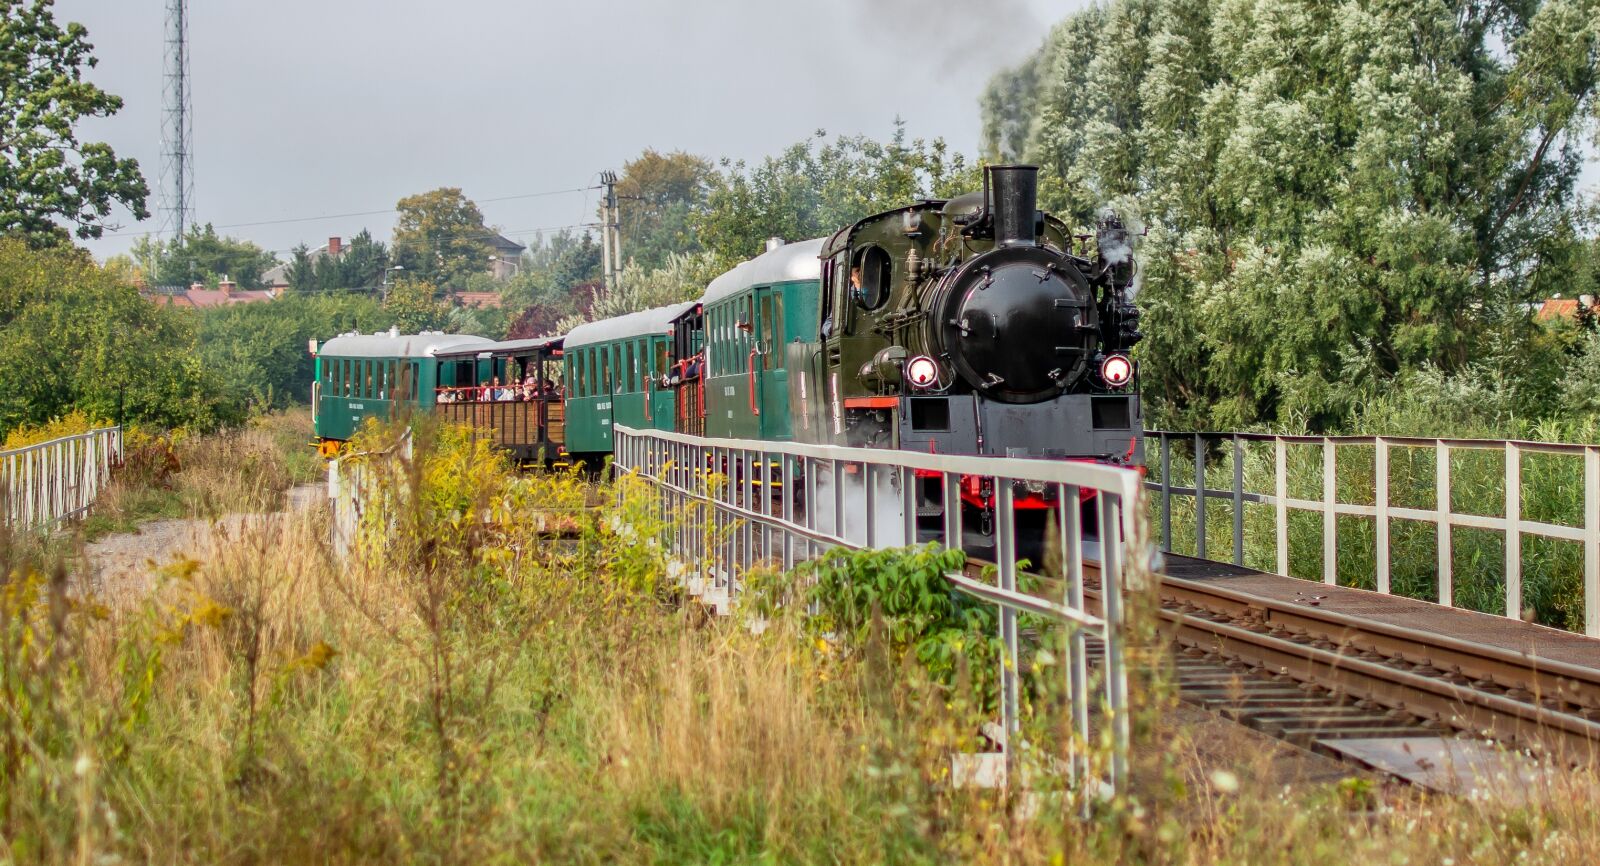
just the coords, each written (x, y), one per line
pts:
(271, 704)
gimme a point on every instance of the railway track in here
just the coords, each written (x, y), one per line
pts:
(1315, 677)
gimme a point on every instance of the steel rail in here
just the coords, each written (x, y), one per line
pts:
(1462, 707)
(1465, 707)
(1543, 677)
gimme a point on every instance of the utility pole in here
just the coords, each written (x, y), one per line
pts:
(177, 189)
(611, 234)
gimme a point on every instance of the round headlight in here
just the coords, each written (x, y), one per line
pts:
(1116, 371)
(922, 372)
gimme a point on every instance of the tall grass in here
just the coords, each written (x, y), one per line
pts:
(175, 475)
(470, 688)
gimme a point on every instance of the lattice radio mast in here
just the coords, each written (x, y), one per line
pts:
(177, 134)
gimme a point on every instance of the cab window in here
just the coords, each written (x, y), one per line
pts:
(876, 271)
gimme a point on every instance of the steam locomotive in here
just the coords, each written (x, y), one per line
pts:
(963, 326)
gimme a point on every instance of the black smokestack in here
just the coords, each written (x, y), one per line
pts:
(1014, 191)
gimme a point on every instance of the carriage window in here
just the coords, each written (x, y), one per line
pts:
(766, 333)
(605, 369)
(780, 334)
(661, 358)
(876, 270)
(748, 332)
(629, 380)
(369, 391)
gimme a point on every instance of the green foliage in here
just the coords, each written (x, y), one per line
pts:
(202, 256)
(258, 351)
(681, 278)
(660, 195)
(49, 176)
(361, 265)
(1331, 198)
(559, 275)
(904, 590)
(414, 305)
(72, 335)
(816, 187)
(440, 238)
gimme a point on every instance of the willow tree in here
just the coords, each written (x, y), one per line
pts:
(1334, 192)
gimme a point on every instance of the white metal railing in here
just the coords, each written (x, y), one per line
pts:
(1383, 510)
(57, 480)
(869, 498)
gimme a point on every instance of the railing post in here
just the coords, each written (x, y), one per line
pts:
(1441, 489)
(1199, 497)
(952, 510)
(1330, 517)
(1166, 493)
(1591, 541)
(1381, 501)
(1513, 530)
(1112, 539)
(1070, 519)
(1280, 492)
(1010, 673)
(1238, 500)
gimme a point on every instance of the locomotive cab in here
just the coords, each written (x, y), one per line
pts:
(970, 326)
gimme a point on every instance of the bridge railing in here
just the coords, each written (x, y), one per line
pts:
(738, 506)
(1449, 506)
(48, 482)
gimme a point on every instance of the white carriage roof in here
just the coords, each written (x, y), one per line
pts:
(796, 261)
(503, 347)
(387, 344)
(655, 321)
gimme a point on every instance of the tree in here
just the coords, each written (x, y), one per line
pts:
(681, 278)
(47, 175)
(440, 238)
(73, 336)
(558, 278)
(415, 306)
(203, 256)
(660, 194)
(1333, 201)
(258, 351)
(811, 190)
(360, 265)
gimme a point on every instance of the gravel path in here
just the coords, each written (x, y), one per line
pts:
(122, 566)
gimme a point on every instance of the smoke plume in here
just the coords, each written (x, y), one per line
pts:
(952, 37)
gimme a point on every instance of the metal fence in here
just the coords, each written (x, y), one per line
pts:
(45, 483)
(1382, 509)
(737, 507)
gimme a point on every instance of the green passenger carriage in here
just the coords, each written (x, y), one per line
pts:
(750, 314)
(361, 376)
(614, 370)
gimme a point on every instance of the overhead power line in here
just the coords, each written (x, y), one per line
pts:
(289, 220)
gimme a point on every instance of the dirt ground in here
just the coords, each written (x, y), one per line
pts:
(122, 567)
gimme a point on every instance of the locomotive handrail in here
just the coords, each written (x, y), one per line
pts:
(730, 507)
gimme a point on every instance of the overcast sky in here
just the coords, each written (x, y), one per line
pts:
(310, 108)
